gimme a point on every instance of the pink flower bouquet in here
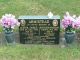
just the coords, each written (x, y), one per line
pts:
(8, 22)
(70, 23)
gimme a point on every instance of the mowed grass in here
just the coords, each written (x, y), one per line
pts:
(39, 7)
(39, 52)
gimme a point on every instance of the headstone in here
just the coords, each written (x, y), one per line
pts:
(39, 29)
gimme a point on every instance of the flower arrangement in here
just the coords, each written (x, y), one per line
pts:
(70, 23)
(8, 22)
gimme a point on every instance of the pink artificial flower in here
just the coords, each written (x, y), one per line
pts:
(77, 23)
(9, 20)
(67, 20)
(72, 21)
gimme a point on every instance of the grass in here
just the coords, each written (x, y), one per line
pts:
(39, 52)
(39, 7)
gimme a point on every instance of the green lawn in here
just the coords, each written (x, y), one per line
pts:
(39, 52)
(39, 7)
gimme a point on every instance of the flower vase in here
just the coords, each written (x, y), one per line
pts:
(9, 36)
(69, 37)
(8, 22)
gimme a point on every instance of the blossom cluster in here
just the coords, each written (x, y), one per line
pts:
(71, 21)
(9, 21)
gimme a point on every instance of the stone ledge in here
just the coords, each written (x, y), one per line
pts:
(17, 40)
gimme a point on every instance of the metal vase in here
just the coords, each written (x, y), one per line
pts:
(69, 37)
(9, 37)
